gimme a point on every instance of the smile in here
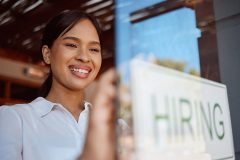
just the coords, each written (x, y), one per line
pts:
(82, 71)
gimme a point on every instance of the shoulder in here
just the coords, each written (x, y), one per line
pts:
(11, 128)
(11, 114)
(7, 110)
(10, 121)
(18, 110)
(13, 109)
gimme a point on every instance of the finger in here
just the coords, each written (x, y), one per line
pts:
(110, 76)
(106, 89)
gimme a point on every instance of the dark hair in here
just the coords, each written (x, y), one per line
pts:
(59, 25)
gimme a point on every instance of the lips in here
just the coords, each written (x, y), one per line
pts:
(80, 71)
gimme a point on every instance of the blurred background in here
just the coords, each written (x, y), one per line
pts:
(198, 37)
(21, 24)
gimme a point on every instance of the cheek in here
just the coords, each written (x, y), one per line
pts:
(95, 56)
(98, 62)
(58, 61)
(59, 55)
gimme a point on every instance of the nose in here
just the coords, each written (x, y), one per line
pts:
(83, 55)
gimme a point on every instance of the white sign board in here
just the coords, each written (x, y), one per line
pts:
(179, 116)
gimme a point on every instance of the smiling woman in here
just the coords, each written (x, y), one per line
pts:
(71, 37)
(54, 125)
(73, 61)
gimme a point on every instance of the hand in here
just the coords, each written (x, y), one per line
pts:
(100, 139)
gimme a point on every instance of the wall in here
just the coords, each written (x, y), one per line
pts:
(227, 13)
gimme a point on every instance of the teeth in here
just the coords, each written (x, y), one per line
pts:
(79, 70)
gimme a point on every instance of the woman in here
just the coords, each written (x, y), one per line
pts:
(54, 126)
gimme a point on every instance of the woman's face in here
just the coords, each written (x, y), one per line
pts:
(75, 57)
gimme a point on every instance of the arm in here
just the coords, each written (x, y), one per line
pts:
(100, 140)
(10, 134)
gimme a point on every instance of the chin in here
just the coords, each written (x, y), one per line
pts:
(80, 86)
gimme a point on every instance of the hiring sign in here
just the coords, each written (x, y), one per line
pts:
(179, 116)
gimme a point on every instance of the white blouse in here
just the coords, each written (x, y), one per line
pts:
(41, 130)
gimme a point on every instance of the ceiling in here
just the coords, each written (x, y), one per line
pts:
(22, 23)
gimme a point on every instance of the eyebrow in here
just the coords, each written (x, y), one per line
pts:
(78, 40)
(72, 38)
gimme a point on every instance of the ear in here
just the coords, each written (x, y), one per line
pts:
(46, 53)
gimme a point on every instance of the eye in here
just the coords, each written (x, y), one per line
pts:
(71, 45)
(94, 50)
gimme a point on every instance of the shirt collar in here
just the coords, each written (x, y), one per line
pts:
(42, 106)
